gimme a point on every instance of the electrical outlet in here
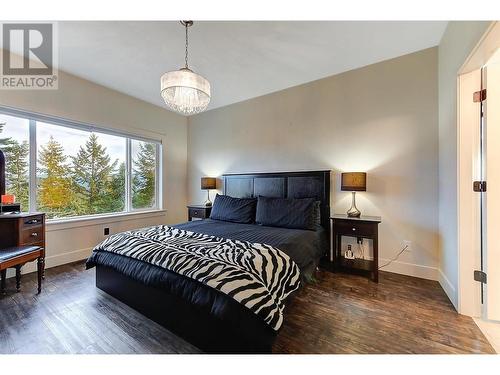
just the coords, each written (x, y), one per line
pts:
(407, 244)
(106, 231)
(349, 247)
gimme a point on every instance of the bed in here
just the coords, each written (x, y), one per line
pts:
(201, 314)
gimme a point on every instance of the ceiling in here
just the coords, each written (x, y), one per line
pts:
(242, 60)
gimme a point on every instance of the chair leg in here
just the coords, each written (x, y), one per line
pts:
(40, 268)
(3, 276)
(18, 278)
(42, 259)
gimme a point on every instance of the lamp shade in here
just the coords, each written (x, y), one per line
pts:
(353, 181)
(208, 183)
(185, 92)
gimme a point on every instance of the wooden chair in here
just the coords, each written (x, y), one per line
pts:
(16, 257)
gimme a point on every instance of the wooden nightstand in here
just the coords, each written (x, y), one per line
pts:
(362, 227)
(198, 211)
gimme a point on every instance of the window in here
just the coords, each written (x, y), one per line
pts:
(14, 142)
(79, 172)
(77, 169)
(143, 174)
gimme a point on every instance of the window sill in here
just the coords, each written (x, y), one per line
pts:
(77, 222)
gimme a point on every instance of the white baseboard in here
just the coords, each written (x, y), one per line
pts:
(448, 288)
(55, 260)
(410, 269)
(424, 272)
(72, 256)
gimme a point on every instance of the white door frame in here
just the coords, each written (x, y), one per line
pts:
(469, 302)
(467, 140)
(491, 306)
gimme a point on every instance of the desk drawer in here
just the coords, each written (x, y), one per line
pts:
(31, 221)
(32, 235)
(354, 229)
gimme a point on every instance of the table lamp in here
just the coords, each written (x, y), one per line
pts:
(353, 182)
(208, 183)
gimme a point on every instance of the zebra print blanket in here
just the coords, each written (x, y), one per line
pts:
(258, 276)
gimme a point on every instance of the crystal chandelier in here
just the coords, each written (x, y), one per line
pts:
(183, 90)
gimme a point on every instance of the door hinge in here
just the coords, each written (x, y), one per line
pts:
(479, 96)
(480, 276)
(479, 186)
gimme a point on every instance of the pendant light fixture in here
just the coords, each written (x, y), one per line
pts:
(183, 90)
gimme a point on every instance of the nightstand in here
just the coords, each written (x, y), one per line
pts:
(358, 227)
(198, 211)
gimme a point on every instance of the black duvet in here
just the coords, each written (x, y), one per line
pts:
(304, 247)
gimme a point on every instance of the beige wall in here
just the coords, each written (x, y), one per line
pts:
(381, 119)
(80, 100)
(457, 43)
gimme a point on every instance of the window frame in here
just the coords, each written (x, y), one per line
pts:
(33, 118)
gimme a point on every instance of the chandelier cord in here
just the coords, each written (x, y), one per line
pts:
(186, 58)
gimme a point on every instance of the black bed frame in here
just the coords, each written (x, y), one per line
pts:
(200, 328)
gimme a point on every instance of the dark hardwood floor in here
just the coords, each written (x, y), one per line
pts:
(338, 314)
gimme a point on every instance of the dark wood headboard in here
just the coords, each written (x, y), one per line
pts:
(313, 184)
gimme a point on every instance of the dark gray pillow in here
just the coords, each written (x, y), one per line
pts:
(286, 213)
(236, 210)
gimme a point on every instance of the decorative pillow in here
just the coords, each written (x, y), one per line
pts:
(286, 213)
(236, 210)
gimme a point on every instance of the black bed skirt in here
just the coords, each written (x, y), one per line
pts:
(205, 331)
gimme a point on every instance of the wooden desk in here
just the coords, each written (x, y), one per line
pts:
(21, 230)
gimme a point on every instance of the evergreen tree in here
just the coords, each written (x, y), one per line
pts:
(3, 141)
(116, 196)
(54, 190)
(143, 182)
(92, 174)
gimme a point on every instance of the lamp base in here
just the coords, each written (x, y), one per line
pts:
(208, 202)
(353, 214)
(353, 211)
